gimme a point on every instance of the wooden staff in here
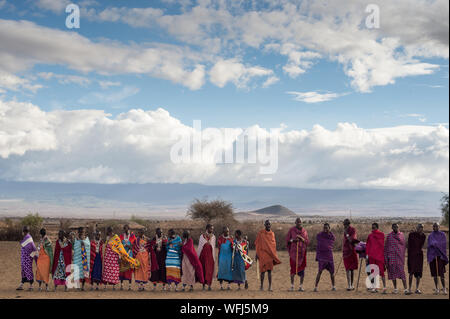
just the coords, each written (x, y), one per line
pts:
(340, 262)
(258, 275)
(359, 274)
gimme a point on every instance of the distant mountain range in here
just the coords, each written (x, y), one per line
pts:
(173, 199)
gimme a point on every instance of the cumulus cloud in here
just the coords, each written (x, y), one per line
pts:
(50, 46)
(314, 97)
(304, 31)
(134, 147)
(231, 70)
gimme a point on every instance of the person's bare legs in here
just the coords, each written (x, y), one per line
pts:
(269, 278)
(319, 273)
(332, 281)
(262, 280)
(410, 282)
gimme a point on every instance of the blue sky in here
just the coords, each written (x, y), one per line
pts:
(232, 64)
(386, 105)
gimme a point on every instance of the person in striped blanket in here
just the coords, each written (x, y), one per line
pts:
(81, 257)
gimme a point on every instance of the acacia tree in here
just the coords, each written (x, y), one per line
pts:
(444, 209)
(209, 210)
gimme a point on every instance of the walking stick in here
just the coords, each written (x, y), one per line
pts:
(340, 262)
(258, 275)
(296, 259)
(359, 274)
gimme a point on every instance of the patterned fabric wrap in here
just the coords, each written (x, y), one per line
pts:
(116, 246)
(173, 260)
(81, 258)
(28, 253)
(394, 252)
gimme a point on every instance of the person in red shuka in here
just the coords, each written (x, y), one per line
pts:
(206, 252)
(349, 253)
(375, 253)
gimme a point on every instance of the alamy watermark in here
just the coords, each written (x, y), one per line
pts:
(226, 146)
(373, 19)
(73, 19)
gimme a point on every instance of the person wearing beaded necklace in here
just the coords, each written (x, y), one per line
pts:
(61, 259)
(141, 249)
(225, 247)
(96, 260)
(126, 273)
(158, 259)
(45, 260)
(207, 255)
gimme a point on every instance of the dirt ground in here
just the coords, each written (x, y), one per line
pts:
(10, 278)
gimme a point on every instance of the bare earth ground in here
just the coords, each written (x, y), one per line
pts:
(10, 278)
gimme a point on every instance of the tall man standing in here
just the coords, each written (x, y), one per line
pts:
(394, 253)
(416, 240)
(324, 254)
(437, 256)
(375, 253)
(266, 253)
(297, 242)
(349, 253)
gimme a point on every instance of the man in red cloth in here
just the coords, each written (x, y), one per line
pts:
(297, 242)
(375, 253)
(206, 252)
(349, 253)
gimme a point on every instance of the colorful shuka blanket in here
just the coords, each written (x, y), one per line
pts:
(225, 247)
(190, 256)
(173, 260)
(241, 261)
(61, 259)
(158, 253)
(206, 252)
(28, 253)
(96, 266)
(44, 260)
(348, 249)
(127, 241)
(266, 250)
(113, 253)
(141, 248)
(324, 251)
(437, 247)
(394, 252)
(81, 258)
(297, 250)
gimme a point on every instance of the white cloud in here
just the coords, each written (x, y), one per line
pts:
(107, 84)
(56, 6)
(314, 97)
(66, 78)
(9, 81)
(50, 46)
(231, 70)
(409, 33)
(134, 147)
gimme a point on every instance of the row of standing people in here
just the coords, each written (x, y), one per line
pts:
(173, 260)
(169, 261)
